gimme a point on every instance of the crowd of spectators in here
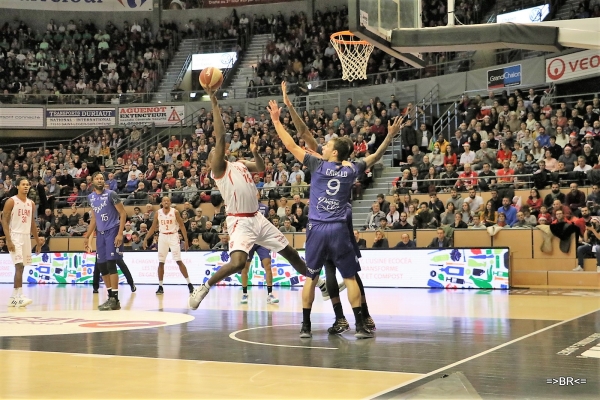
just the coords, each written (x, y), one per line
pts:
(585, 9)
(92, 64)
(504, 142)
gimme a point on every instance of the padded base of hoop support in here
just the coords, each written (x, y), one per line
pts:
(476, 37)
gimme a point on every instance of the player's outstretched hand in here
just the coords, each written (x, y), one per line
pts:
(253, 141)
(186, 245)
(286, 99)
(274, 110)
(211, 94)
(395, 126)
(119, 240)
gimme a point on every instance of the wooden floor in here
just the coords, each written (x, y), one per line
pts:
(500, 345)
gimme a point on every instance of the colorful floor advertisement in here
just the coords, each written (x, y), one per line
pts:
(476, 268)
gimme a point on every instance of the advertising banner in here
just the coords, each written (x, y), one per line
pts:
(412, 268)
(80, 117)
(21, 117)
(79, 5)
(159, 115)
(572, 66)
(183, 5)
(527, 16)
(217, 60)
(504, 77)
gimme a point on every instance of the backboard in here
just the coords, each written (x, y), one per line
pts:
(374, 21)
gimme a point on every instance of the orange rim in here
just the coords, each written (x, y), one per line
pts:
(336, 37)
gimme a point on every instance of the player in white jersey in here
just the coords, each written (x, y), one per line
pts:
(169, 223)
(18, 217)
(245, 224)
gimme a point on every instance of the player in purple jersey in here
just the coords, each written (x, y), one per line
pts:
(341, 324)
(327, 234)
(107, 218)
(264, 255)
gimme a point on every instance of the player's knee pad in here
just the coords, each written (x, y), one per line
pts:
(103, 268)
(111, 266)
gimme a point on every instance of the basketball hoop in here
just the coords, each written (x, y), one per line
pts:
(354, 54)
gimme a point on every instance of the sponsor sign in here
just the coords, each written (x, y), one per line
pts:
(527, 16)
(573, 66)
(36, 323)
(80, 117)
(181, 5)
(159, 115)
(217, 60)
(21, 117)
(79, 5)
(504, 77)
(418, 268)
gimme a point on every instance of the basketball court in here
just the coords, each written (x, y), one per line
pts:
(429, 344)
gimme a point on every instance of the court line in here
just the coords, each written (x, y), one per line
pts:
(437, 371)
(211, 361)
(233, 336)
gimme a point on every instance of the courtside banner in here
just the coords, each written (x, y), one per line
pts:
(21, 117)
(79, 5)
(159, 115)
(238, 3)
(573, 66)
(80, 117)
(462, 268)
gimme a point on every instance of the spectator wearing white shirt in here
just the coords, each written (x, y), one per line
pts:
(467, 157)
(330, 135)
(136, 27)
(296, 171)
(581, 165)
(134, 173)
(244, 21)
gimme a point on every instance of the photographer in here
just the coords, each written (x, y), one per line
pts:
(590, 240)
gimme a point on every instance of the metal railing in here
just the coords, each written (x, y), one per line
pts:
(447, 123)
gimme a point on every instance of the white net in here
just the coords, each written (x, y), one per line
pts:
(353, 53)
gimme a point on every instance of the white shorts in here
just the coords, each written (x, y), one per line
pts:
(166, 242)
(245, 232)
(22, 253)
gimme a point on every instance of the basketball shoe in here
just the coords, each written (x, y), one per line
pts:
(197, 296)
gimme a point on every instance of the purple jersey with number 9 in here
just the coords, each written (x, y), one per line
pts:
(330, 187)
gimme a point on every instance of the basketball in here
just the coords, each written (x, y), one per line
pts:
(211, 78)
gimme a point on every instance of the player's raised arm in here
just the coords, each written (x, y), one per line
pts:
(286, 138)
(393, 129)
(299, 124)
(217, 158)
(258, 165)
(8, 207)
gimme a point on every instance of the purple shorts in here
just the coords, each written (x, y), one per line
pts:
(261, 251)
(105, 246)
(331, 241)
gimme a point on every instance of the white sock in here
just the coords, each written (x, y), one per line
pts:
(188, 279)
(207, 285)
(20, 291)
(15, 292)
(160, 283)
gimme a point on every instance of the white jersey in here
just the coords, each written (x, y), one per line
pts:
(238, 189)
(167, 223)
(21, 216)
